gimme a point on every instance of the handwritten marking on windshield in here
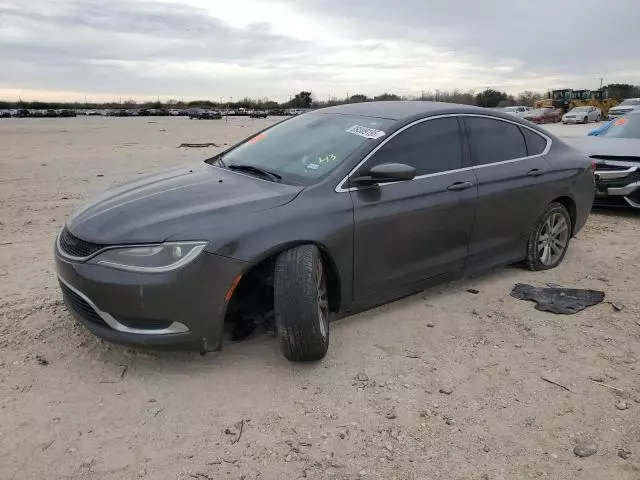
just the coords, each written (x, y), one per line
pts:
(328, 159)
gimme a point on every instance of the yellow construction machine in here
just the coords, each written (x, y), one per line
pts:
(594, 98)
(567, 99)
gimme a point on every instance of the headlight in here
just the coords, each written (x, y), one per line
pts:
(152, 258)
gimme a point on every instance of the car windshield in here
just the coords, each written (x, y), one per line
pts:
(624, 127)
(630, 102)
(580, 109)
(303, 149)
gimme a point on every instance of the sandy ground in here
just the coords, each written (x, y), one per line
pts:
(72, 406)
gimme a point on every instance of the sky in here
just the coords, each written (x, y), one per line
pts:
(105, 50)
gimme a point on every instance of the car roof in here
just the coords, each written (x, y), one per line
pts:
(401, 110)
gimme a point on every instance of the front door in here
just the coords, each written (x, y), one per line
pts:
(414, 230)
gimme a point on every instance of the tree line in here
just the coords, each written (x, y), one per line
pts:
(489, 97)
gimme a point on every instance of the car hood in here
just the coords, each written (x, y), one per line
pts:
(607, 147)
(625, 108)
(170, 204)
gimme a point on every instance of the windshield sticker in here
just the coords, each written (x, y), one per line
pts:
(620, 121)
(257, 138)
(366, 132)
(328, 159)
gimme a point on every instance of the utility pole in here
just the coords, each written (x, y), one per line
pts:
(601, 79)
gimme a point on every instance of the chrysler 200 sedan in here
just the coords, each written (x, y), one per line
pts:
(317, 217)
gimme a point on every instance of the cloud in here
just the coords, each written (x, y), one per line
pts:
(198, 48)
(572, 38)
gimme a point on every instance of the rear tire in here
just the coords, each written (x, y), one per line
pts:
(301, 304)
(585, 120)
(549, 238)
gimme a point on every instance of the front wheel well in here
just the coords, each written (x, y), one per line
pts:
(253, 296)
(570, 205)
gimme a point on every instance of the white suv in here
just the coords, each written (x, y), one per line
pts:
(518, 111)
(624, 107)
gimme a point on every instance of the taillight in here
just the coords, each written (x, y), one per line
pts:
(594, 165)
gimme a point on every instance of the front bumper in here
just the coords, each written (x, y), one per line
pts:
(183, 308)
(573, 120)
(618, 183)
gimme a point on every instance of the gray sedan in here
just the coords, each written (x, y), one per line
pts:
(317, 217)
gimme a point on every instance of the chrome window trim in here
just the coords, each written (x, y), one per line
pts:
(340, 188)
(175, 327)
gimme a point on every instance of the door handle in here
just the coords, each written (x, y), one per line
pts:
(536, 172)
(460, 186)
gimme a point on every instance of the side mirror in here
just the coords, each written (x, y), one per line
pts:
(385, 173)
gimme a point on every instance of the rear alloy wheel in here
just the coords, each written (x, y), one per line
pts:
(301, 304)
(549, 238)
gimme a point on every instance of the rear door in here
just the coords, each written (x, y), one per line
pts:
(410, 231)
(512, 188)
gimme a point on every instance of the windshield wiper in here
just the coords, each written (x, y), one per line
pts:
(260, 171)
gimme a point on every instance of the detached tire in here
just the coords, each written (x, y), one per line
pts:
(549, 239)
(301, 304)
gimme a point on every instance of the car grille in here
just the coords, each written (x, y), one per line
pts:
(80, 306)
(609, 168)
(144, 324)
(619, 158)
(76, 247)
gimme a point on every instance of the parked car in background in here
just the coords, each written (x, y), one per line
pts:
(519, 110)
(205, 115)
(616, 151)
(65, 113)
(543, 115)
(319, 216)
(258, 114)
(584, 114)
(624, 107)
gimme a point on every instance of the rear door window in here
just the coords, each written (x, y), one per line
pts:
(535, 143)
(492, 141)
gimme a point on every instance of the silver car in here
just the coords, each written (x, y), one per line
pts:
(584, 114)
(627, 106)
(616, 151)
